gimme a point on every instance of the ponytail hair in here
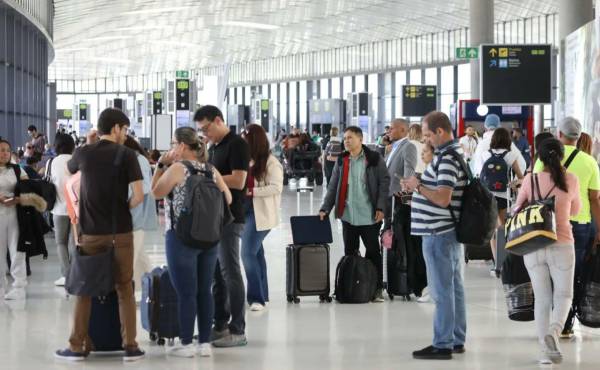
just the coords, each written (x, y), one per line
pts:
(551, 153)
(189, 137)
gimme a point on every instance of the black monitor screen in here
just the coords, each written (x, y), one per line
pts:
(516, 74)
(418, 100)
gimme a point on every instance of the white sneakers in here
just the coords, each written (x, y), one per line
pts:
(181, 350)
(256, 307)
(60, 281)
(191, 350)
(15, 294)
(424, 298)
(204, 350)
(551, 348)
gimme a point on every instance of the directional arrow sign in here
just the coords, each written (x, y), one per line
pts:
(467, 53)
(473, 53)
(493, 53)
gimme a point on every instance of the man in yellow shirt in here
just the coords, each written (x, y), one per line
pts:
(585, 168)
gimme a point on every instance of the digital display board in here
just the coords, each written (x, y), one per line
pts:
(515, 74)
(183, 95)
(157, 102)
(418, 100)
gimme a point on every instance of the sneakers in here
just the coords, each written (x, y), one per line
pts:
(60, 281)
(133, 355)
(231, 340)
(544, 359)
(182, 350)
(459, 349)
(432, 353)
(567, 334)
(256, 307)
(378, 296)
(68, 355)
(15, 294)
(204, 350)
(552, 349)
(218, 334)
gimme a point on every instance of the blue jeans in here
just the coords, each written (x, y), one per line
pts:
(253, 257)
(191, 271)
(444, 258)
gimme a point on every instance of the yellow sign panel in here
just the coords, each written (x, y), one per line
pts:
(158, 95)
(264, 105)
(503, 53)
(183, 84)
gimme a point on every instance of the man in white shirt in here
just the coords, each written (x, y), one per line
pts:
(469, 142)
(492, 122)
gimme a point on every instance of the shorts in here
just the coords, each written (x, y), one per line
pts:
(502, 203)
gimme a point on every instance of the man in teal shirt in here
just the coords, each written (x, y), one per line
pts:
(359, 190)
(585, 168)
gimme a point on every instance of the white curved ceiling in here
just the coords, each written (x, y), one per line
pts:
(102, 38)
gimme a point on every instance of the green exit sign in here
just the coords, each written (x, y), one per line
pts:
(467, 53)
(182, 74)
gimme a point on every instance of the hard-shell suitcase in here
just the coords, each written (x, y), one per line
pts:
(159, 306)
(308, 273)
(105, 325)
(395, 259)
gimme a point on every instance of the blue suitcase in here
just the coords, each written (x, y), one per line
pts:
(159, 306)
(105, 325)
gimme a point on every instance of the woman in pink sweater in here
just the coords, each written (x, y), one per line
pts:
(553, 266)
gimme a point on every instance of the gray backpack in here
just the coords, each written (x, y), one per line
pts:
(204, 212)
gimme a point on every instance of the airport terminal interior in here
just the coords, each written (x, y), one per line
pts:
(297, 69)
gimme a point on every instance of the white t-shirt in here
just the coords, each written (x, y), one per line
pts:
(469, 145)
(484, 146)
(60, 175)
(509, 158)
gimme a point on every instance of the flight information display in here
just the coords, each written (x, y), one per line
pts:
(516, 74)
(418, 100)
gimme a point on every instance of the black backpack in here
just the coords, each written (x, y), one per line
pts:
(204, 212)
(355, 280)
(494, 173)
(478, 210)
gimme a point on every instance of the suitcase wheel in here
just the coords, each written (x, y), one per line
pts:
(391, 296)
(296, 300)
(153, 337)
(290, 299)
(160, 341)
(407, 297)
(325, 298)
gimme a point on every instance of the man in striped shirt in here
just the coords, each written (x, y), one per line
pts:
(435, 205)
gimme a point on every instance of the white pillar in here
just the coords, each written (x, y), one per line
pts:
(481, 31)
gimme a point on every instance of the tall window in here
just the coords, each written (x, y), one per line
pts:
(293, 104)
(283, 104)
(335, 88)
(464, 81)
(302, 103)
(325, 89)
(431, 76)
(400, 82)
(274, 102)
(374, 91)
(415, 76)
(347, 87)
(360, 83)
(447, 88)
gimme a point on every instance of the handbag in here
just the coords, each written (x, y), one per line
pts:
(533, 227)
(92, 274)
(49, 192)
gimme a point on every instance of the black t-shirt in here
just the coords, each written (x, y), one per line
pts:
(232, 153)
(98, 190)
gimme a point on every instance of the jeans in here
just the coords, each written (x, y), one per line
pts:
(191, 271)
(370, 237)
(329, 165)
(253, 257)
(582, 233)
(123, 272)
(228, 288)
(444, 258)
(551, 271)
(65, 242)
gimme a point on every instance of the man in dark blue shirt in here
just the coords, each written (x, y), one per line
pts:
(523, 145)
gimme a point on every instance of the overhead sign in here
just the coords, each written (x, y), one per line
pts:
(516, 74)
(467, 53)
(64, 113)
(183, 95)
(83, 112)
(182, 74)
(418, 100)
(157, 102)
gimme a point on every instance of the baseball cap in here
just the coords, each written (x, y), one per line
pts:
(570, 127)
(492, 121)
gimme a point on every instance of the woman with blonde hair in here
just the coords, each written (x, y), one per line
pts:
(415, 135)
(585, 143)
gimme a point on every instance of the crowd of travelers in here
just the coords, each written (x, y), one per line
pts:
(419, 172)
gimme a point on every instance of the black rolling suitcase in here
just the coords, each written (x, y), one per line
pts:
(395, 259)
(518, 290)
(307, 259)
(158, 308)
(587, 293)
(105, 325)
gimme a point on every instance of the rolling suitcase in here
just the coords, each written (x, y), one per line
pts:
(158, 308)
(395, 261)
(518, 290)
(307, 259)
(105, 325)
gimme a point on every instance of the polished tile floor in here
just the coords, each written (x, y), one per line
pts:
(305, 336)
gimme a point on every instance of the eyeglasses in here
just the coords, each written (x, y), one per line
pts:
(205, 128)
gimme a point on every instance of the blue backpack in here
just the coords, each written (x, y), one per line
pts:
(494, 173)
